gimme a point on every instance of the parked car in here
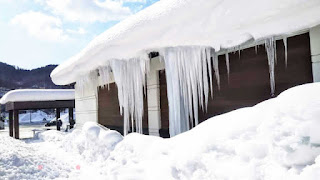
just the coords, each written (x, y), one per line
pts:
(51, 123)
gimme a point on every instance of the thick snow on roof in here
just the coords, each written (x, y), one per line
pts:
(37, 95)
(214, 23)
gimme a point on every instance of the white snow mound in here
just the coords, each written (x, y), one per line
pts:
(276, 139)
(93, 143)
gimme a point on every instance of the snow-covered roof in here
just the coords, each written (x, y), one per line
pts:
(214, 23)
(37, 95)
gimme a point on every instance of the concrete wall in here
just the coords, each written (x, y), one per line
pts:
(315, 52)
(86, 102)
(153, 91)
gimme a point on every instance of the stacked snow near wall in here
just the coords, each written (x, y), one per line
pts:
(93, 143)
(276, 139)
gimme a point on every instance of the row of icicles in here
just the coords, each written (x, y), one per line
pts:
(189, 80)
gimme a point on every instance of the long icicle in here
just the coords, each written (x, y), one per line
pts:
(275, 50)
(285, 43)
(129, 75)
(208, 59)
(187, 70)
(216, 67)
(271, 52)
(228, 66)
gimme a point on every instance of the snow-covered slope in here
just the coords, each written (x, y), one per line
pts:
(276, 139)
(37, 116)
(37, 95)
(213, 23)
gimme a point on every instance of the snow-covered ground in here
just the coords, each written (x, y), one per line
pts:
(38, 120)
(34, 117)
(276, 139)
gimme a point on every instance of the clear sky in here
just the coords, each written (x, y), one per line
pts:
(34, 33)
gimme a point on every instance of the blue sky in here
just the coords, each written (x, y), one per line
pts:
(34, 33)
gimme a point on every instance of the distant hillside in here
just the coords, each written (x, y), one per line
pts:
(16, 78)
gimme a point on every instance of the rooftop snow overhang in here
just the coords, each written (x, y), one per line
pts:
(220, 24)
(30, 95)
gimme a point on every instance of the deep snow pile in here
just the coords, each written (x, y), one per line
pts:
(276, 139)
(19, 160)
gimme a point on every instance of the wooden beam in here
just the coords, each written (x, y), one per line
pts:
(16, 123)
(11, 123)
(29, 105)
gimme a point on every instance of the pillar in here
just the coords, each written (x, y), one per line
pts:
(86, 104)
(315, 52)
(11, 123)
(57, 117)
(71, 120)
(154, 113)
(16, 123)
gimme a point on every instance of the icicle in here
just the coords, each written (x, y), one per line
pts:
(216, 67)
(88, 81)
(105, 74)
(239, 51)
(285, 43)
(271, 52)
(187, 70)
(228, 65)
(208, 58)
(275, 52)
(129, 75)
(256, 47)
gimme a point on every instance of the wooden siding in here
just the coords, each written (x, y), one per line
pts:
(249, 78)
(109, 112)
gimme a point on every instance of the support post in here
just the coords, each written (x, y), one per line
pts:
(154, 113)
(315, 52)
(16, 123)
(11, 123)
(57, 117)
(71, 120)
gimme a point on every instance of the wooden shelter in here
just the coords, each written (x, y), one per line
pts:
(44, 100)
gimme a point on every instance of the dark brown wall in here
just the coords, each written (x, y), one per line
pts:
(249, 78)
(109, 112)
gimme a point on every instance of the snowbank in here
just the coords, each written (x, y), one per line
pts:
(276, 139)
(19, 160)
(94, 143)
(169, 23)
(37, 95)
